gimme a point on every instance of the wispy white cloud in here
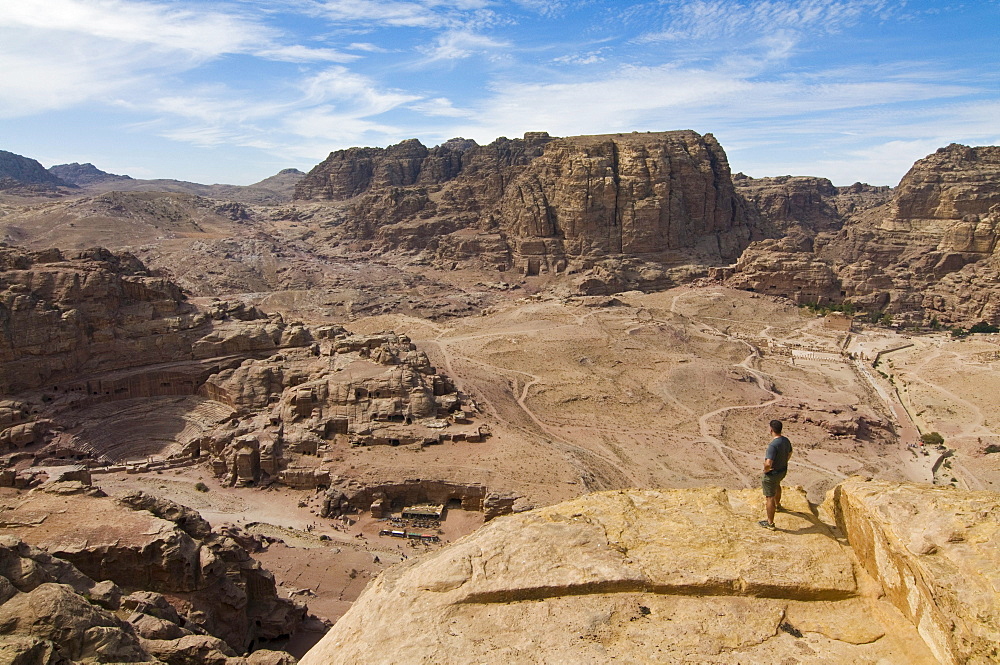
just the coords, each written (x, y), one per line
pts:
(41, 73)
(457, 44)
(333, 105)
(439, 107)
(342, 72)
(723, 19)
(346, 88)
(727, 101)
(366, 47)
(589, 58)
(300, 53)
(401, 13)
(374, 12)
(59, 53)
(544, 7)
(201, 33)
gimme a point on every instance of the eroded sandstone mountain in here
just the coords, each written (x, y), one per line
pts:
(540, 204)
(930, 252)
(67, 316)
(670, 576)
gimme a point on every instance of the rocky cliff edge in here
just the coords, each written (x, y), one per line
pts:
(893, 574)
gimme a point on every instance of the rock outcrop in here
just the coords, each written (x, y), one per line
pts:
(784, 267)
(67, 318)
(540, 204)
(672, 576)
(928, 253)
(935, 554)
(806, 204)
(633, 194)
(192, 594)
(112, 365)
(933, 250)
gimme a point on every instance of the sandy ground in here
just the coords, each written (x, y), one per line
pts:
(672, 389)
(951, 386)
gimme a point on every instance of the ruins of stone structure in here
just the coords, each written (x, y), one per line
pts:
(350, 496)
(358, 390)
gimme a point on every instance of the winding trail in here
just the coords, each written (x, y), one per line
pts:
(761, 382)
(604, 462)
(609, 468)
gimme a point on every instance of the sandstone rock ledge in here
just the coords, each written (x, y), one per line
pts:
(643, 576)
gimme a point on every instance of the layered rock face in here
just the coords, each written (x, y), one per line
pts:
(932, 251)
(349, 173)
(540, 204)
(928, 252)
(804, 204)
(795, 212)
(189, 595)
(628, 194)
(674, 576)
(935, 552)
(64, 318)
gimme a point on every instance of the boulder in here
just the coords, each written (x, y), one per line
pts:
(55, 613)
(218, 588)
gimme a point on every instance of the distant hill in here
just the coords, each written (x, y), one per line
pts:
(283, 181)
(84, 174)
(274, 189)
(18, 172)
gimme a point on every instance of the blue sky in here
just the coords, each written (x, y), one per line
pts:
(235, 91)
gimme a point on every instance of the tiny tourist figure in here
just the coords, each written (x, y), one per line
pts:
(775, 468)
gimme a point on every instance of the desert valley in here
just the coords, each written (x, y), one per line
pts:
(500, 403)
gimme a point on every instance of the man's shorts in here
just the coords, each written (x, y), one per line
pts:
(770, 482)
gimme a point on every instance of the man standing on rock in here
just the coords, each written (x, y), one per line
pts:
(775, 468)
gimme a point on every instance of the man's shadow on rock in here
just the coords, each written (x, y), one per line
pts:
(815, 525)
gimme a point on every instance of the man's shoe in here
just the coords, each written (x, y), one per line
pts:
(767, 525)
(780, 509)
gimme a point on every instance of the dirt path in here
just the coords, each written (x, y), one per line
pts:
(761, 382)
(592, 461)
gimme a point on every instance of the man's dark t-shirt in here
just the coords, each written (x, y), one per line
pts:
(778, 451)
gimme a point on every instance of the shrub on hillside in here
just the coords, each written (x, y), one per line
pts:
(932, 439)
